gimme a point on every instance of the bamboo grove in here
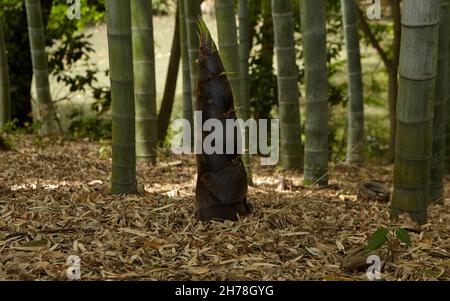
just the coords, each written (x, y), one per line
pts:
(215, 81)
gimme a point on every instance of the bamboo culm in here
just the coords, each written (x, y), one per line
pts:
(316, 78)
(244, 52)
(291, 154)
(45, 109)
(118, 16)
(418, 71)
(144, 80)
(447, 135)
(440, 107)
(229, 50)
(355, 140)
(188, 112)
(192, 13)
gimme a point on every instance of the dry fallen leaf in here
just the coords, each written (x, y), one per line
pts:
(55, 202)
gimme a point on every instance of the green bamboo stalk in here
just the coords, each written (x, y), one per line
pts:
(229, 50)
(244, 52)
(144, 80)
(187, 88)
(45, 110)
(355, 141)
(193, 12)
(440, 107)
(316, 77)
(118, 16)
(288, 92)
(5, 95)
(418, 71)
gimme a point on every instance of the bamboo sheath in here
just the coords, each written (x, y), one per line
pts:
(221, 190)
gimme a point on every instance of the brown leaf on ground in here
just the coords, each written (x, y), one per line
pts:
(55, 202)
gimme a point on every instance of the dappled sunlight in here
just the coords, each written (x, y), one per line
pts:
(33, 184)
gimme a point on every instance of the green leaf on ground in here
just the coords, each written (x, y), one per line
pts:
(377, 240)
(403, 236)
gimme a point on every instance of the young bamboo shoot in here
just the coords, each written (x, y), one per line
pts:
(221, 191)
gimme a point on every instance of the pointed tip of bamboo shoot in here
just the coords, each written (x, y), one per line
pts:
(207, 45)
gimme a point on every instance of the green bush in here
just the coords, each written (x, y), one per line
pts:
(67, 45)
(6, 143)
(162, 7)
(377, 137)
(93, 128)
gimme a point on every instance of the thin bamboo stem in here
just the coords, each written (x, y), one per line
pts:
(188, 112)
(45, 110)
(355, 141)
(144, 80)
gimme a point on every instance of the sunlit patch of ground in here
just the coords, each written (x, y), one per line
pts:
(54, 202)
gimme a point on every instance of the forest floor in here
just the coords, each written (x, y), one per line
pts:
(55, 202)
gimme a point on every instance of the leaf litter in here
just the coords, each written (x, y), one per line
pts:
(55, 202)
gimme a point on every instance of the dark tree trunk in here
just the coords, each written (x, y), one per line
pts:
(391, 65)
(267, 50)
(171, 84)
(393, 76)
